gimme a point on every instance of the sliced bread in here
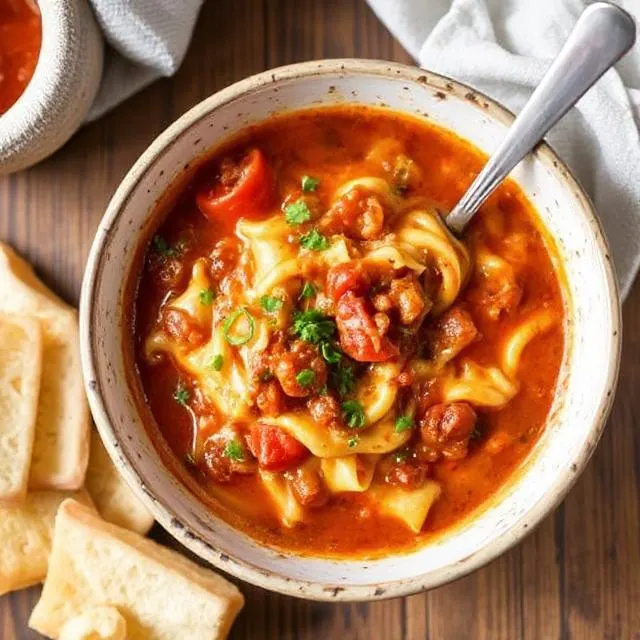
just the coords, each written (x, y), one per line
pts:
(114, 501)
(61, 443)
(25, 537)
(160, 593)
(20, 369)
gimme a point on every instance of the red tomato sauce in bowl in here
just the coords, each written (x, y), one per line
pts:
(20, 41)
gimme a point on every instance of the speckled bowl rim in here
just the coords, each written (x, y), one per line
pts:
(239, 567)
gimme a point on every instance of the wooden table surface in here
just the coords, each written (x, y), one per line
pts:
(576, 576)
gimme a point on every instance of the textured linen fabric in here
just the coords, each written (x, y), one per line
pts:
(145, 39)
(503, 48)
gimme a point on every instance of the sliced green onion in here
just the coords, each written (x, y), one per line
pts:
(330, 353)
(237, 340)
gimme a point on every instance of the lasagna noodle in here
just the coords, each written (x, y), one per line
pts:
(327, 443)
(289, 509)
(349, 473)
(379, 186)
(480, 386)
(422, 231)
(536, 324)
(397, 256)
(377, 390)
(189, 301)
(336, 253)
(266, 240)
(411, 506)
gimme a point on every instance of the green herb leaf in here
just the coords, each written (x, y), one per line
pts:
(234, 451)
(163, 248)
(271, 304)
(403, 423)
(314, 241)
(330, 353)
(207, 296)
(297, 212)
(181, 394)
(353, 414)
(266, 375)
(308, 291)
(353, 442)
(243, 338)
(309, 183)
(313, 326)
(305, 377)
(343, 379)
(216, 362)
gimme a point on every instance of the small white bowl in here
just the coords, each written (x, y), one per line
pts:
(585, 388)
(63, 87)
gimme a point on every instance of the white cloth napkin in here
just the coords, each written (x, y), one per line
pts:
(503, 48)
(145, 39)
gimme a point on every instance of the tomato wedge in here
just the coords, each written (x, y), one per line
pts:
(360, 337)
(274, 448)
(242, 189)
(348, 276)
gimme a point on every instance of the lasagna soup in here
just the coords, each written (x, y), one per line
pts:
(320, 359)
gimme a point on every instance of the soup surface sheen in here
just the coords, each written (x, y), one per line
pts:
(320, 360)
(20, 39)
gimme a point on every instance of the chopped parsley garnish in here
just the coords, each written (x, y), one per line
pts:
(313, 326)
(330, 353)
(181, 394)
(323, 391)
(297, 212)
(163, 248)
(308, 291)
(309, 183)
(266, 375)
(353, 442)
(207, 296)
(305, 377)
(314, 241)
(234, 451)
(216, 362)
(237, 339)
(353, 414)
(343, 379)
(270, 304)
(403, 423)
(400, 456)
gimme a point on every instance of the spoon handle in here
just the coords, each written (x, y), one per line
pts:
(602, 35)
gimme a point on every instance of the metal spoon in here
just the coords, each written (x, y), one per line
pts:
(602, 35)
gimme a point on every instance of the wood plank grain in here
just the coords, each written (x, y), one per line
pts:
(602, 552)
(576, 576)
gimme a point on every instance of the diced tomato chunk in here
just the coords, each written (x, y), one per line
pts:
(360, 336)
(348, 276)
(242, 189)
(274, 448)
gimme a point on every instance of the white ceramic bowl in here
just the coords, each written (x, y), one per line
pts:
(63, 87)
(587, 379)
